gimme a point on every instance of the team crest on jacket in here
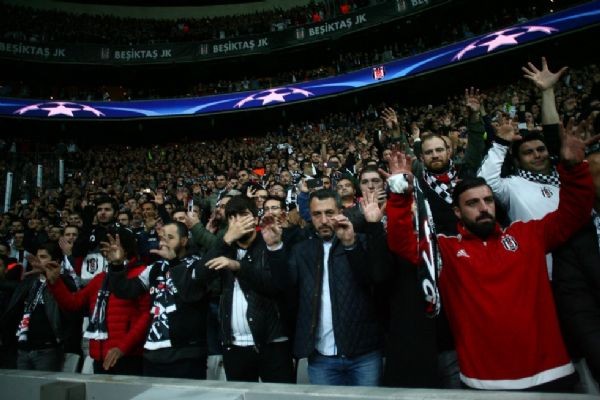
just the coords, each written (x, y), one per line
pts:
(509, 243)
(546, 192)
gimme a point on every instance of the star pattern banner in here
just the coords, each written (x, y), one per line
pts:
(543, 28)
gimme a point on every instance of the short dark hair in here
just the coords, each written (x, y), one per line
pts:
(528, 137)
(466, 184)
(239, 204)
(149, 202)
(53, 249)
(369, 168)
(107, 199)
(349, 178)
(180, 209)
(324, 194)
(182, 230)
(129, 214)
(277, 199)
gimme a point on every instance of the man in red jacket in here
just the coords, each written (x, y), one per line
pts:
(118, 327)
(494, 283)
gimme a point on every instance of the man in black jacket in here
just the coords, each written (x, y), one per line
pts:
(337, 326)
(255, 338)
(34, 315)
(576, 280)
(178, 286)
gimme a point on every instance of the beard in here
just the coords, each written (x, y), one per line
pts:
(439, 167)
(482, 227)
(325, 234)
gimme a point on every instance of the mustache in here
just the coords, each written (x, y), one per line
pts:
(484, 215)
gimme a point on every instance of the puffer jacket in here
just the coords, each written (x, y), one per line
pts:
(127, 321)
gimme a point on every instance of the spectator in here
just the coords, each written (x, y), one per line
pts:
(472, 272)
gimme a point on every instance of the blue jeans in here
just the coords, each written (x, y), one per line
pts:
(363, 370)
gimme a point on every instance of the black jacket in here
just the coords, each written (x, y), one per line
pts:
(265, 299)
(576, 281)
(352, 273)
(60, 322)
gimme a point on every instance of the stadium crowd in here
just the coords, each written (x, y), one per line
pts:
(33, 25)
(421, 235)
(417, 34)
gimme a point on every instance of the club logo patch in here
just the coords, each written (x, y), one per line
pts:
(509, 243)
(547, 192)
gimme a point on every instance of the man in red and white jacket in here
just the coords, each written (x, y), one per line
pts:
(494, 283)
(118, 327)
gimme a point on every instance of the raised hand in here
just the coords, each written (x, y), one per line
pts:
(271, 230)
(65, 246)
(159, 198)
(112, 250)
(238, 227)
(473, 100)
(52, 271)
(211, 225)
(191, 219)
(544, 79)
(223, 262)
(370, 207)
(506, 131)
(35, 263)
(250, 192)
(344, 230)
(399, 163)
(390, 117)
(164, 251)
(572, 149)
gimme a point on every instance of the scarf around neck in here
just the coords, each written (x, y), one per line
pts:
(443, 184)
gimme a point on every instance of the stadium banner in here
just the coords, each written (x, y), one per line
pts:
(506, 39)
(214, 49)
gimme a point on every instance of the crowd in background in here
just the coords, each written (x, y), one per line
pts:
(411, 36)
(31, 25)
(211, 191)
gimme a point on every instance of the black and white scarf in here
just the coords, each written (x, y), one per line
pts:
(35, 297)
(552, 179)
(97, 329)
(430, 264)
(163, 303)
(443, 184)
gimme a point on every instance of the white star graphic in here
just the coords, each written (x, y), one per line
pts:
(272, 97)
(461, 53)
(243, 101)
(544, 29)
(60, 110)
(92, 110)
(306, 93)
(501, 40)
(23, 110)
